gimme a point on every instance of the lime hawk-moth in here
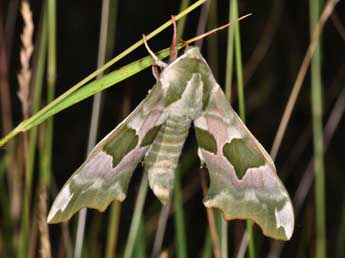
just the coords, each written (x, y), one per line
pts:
(243, 179)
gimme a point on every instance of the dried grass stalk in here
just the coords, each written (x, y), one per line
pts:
(45, 249)
(24, 75)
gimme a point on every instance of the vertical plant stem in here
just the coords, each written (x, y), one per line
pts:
(51, 80)
(113, 228)
(6, 231)
(96, 110)
(47, 133)
(239, 67)
(139, 247)
(181, 23)
(202, 23)
(212, 40)
(230, 54)
(211, 221)
(138, 210)
(240, 90)
(39, 65)
(228, 89)
(224, 238)
(6, 115)
(37, 81)
(317, 103)
(162, 222)
(212, 47)
(179, 218)
(114, 218)
(207, 248)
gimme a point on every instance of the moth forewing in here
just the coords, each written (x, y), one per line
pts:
(105, 175)
(243, 179)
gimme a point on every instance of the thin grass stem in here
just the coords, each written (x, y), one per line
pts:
(113, 228)
(241, 104)
(138, 210)
(230, 54)
(179, 218)
(182, 22)
(139, 247)
(317, 111)
(212, 40)
(207, 248)
(228, 89)
(96, 110)
(47, 131)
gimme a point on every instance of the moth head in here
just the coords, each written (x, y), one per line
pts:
(193, 52)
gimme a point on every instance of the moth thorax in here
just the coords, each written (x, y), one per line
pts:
(162, 158)
(191, 100)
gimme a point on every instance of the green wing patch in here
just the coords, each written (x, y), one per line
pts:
(206, 140)
(150, 136)
(242, 154)
(118, 147)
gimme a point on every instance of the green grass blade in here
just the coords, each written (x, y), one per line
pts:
(207, 248)
(182, 22)
(52, 109)
(138, 211)
(228, 89)
(115, 209)
(46, 153)
(179, 217)
(113, 228)
(212, 40)
(239, 66)
(240, 89)
(139, 248)
(37, 82)
(317, 110)
(230, 54)
(224, 238)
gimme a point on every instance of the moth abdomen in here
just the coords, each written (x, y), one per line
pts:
(162, 158)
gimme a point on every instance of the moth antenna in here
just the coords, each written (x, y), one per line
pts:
(173, 46)
(158, 62)
(217, 29)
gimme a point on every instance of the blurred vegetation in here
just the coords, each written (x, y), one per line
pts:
(282, 69)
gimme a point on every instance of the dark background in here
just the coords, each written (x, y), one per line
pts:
(266, 94)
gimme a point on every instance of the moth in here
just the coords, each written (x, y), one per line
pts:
(243, 179)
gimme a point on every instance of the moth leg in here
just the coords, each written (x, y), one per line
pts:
(158, 62)
(185, 44)
(173, 46)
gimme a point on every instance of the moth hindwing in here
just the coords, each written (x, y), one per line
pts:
(243, 179)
